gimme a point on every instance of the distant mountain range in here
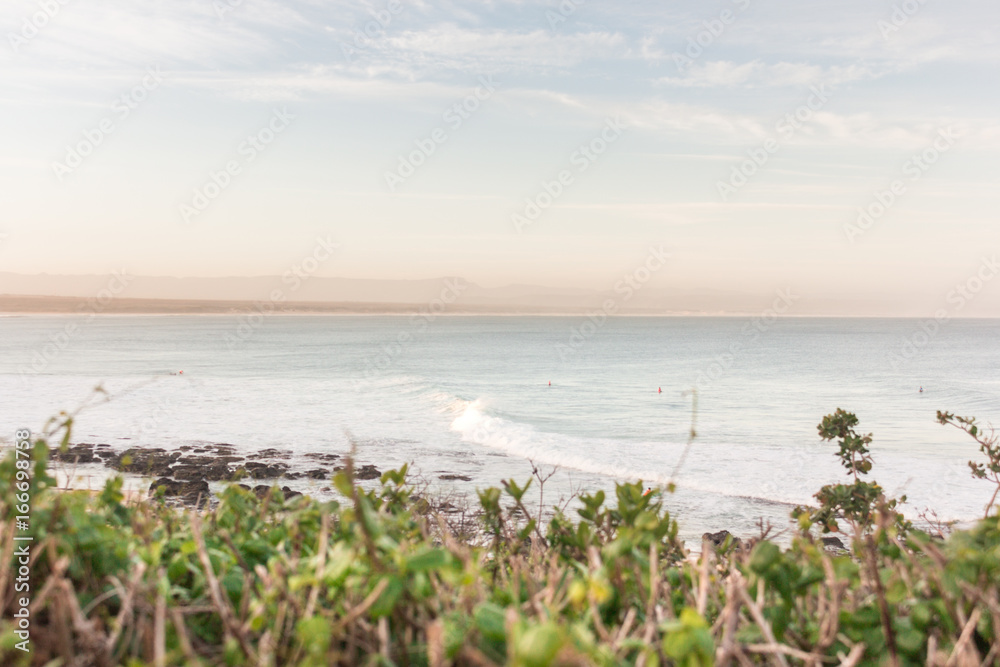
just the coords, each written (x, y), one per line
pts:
(292, 293)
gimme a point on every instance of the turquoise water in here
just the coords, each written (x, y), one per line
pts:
(471, 396)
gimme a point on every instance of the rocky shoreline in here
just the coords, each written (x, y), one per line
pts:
(184, 474)
(830, 543)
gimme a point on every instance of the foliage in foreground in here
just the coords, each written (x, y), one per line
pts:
(375, 579)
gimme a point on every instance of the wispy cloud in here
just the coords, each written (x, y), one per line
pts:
(85, 35)
(450, 48)
(558, 83)
(758, 74)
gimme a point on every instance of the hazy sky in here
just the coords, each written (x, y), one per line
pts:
(673, 95)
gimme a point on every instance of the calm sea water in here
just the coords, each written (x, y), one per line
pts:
(471, 396)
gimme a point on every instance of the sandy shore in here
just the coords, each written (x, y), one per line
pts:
(37, 305)
(59, 305)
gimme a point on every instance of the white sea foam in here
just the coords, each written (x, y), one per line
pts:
(621, 460)
(474, 425)
(471, 396)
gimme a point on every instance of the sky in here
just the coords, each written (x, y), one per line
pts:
(507, 142)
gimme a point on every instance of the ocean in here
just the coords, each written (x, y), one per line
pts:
(471, 396)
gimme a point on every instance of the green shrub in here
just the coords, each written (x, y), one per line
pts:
(369, 579)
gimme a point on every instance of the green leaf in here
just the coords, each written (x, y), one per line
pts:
(390, 596)
(343, 484)
(539, 645)
(764, 556)
(688, 640)
(456, 629)
(314, 635)
(434, 559)
(490, 621)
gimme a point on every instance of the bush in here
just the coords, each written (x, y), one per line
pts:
(374, 579)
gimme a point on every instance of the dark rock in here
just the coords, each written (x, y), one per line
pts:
(213, 472)
(144, 461)
(262, 491)
(271, 454)
(195, 460)
(318, 474)
(208, 460)
(294, 475)
(83, 453)
(367, 472)
(190, 493)
(719, 538)
(525, 549)
(258, 470)
(325, 458)
(186, 448)
(834, 546)
(455, 478)
(188, 473)
(421, 505)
